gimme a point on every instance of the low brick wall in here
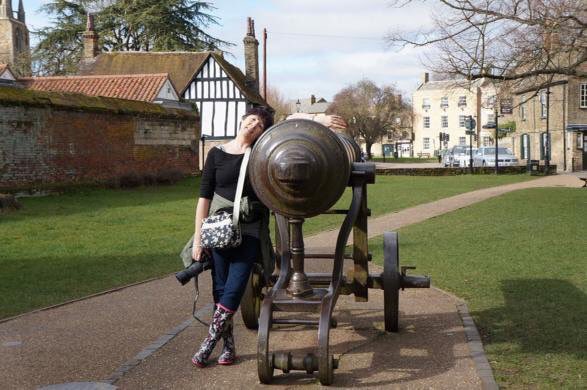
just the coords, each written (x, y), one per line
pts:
(458, 171)
(60, 139)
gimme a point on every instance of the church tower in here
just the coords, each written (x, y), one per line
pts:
(14, 38)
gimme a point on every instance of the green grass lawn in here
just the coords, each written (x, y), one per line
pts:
(63, 247)
(520, 262)
(393, 193)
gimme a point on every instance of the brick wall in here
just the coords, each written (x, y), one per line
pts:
(42, 145)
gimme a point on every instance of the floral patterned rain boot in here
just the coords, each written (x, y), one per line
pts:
(218, 325)
(228, 355)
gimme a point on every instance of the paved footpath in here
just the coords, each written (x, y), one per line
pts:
(142, 337)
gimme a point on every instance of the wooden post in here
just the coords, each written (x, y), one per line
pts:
(361, 252)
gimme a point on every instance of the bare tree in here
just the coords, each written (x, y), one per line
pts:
(370, 111)
(276, 100)
(507, 40)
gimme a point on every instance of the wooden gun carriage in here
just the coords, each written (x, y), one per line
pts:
(301, 169)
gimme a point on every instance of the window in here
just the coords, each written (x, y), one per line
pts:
(426, 142)
(390, 135)
(426, 103)
(426, 122)
(463, 141)
(543, 108)
(579, 141)
(523, 107)
(487, 141)
(444, 121)
(544, 147)
(525, 147)
(583, 96)
(462, 120)
(462, 101)
(444, 102)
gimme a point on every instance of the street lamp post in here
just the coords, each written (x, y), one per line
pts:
(496, 138)
(298, 105)
(547, 142)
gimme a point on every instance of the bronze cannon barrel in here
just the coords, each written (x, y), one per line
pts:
(300, 168)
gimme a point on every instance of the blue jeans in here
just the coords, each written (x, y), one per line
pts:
(231, 271)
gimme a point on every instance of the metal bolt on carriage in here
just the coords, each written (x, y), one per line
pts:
(301, 169)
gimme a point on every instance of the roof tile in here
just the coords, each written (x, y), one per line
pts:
(142, 87)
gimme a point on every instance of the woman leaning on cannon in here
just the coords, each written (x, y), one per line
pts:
(232, 266)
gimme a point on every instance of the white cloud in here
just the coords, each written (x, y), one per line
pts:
(320, 47)
(320, 57)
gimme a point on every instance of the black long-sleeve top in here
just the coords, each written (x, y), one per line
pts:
(220, 175)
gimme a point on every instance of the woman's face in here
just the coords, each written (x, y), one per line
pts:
(252, 126)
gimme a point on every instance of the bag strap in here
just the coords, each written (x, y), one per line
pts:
(239, 188)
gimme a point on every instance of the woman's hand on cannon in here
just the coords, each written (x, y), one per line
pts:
(334, 122)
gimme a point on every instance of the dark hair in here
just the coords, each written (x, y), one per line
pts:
(263, 113)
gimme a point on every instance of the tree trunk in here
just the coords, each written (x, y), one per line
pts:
(368, 149)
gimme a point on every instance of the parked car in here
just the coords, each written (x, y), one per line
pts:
(461, 156)
(485, 156)
(445, 157)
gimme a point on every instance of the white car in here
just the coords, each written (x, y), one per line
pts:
(485, 157)
(461, 156)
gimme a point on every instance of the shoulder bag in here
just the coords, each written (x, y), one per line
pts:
(222, 230)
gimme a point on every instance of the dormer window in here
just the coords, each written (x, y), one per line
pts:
(444, 102)
(426, 103)
(462, 101)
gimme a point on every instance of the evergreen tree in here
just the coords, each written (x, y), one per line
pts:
(123, 25)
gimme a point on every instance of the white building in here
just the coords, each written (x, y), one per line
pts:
(442, 106)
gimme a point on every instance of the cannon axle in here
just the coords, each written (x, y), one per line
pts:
(286, 361)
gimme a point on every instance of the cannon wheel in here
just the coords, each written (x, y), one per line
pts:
(264, 358)
(252, 299)
(391, 281)
(325, 365)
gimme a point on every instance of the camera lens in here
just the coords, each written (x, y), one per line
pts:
(193, 270)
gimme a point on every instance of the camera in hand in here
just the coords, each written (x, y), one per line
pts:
(193, 270)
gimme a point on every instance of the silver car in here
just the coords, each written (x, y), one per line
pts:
(461, 156)
(485, 156)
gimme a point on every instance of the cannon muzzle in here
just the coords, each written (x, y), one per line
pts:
(301, 168)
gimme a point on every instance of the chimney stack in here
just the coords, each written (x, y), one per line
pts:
(312, 99)
(251, 57)
(90, 37)
(425, 77)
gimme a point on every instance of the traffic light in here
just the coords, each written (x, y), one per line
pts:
(443, 136)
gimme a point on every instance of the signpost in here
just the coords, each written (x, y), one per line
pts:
(470, 125)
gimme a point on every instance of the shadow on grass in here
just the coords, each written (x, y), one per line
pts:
(35, 283)
(540, 316)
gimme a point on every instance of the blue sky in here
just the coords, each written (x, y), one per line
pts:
(315, 46)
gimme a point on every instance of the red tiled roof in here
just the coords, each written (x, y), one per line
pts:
(143, 87)
(182, 66)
